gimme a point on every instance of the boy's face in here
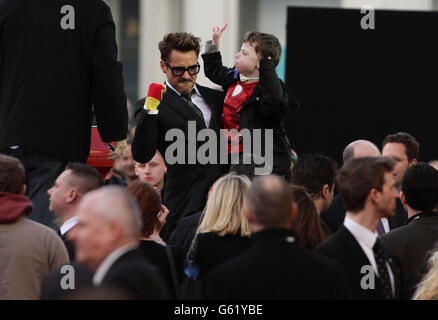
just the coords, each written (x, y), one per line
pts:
(247, 60)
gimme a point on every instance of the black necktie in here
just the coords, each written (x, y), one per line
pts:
(381, 259)
(188, 98)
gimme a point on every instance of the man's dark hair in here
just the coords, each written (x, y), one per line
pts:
(420, 186)
(358, 177)
(270, 199)
(86, 178)
(411, 144)
(181, 41)
(12, 175)
(267, 45)
(313, 171)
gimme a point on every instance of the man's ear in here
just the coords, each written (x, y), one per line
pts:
(325, 191)
(163, 66)
(23, 190)
(412, 162)
(403, 198)
(72, 195)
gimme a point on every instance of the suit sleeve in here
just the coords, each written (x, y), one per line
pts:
(144, 144)
(108, 93)
(216, 72)
(274, 97)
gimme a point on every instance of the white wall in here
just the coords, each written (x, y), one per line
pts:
(390, 4)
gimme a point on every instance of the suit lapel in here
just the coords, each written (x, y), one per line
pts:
(353, 247)
(177, 104)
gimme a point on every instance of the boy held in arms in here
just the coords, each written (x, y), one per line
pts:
(255, 97)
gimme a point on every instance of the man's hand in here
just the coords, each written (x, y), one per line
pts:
(217, 32)
(117, 153)
(155, 94)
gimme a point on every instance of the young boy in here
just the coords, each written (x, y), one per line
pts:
(255, 97)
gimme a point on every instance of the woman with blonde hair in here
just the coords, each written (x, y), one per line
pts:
(224, 231)
(428, 287)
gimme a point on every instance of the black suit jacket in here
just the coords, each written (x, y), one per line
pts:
(134, 275)
(185, 231)
(186, 185)
(51, 285)
(68, 245)
(209, 250)
(334, 216)
(411, 245)
(157, 255)
(277, 267)
(344, 248)
(50, 77)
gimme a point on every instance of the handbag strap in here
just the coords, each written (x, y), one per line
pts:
(173, 272)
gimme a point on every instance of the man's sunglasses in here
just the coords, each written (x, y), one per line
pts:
(179, 71)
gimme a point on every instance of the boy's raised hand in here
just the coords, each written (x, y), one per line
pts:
(217, 32)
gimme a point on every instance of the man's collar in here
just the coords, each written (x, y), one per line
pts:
(195, 87)
(68, 225)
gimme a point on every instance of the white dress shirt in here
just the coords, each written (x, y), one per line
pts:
(198, 101)
(366, 240)
(103, 268)
(66, 226)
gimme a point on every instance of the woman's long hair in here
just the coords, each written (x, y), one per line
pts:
(307, 224)
(225, 209)
(427, 289)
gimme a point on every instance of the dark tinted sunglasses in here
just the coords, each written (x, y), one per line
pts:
(179, 71)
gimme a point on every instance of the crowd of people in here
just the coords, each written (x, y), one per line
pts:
(157, 229)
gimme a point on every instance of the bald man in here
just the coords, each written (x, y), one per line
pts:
(282, 269)
(334, 216)
(106, 238)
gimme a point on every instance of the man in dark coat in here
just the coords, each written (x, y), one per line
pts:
(368, 190)
(275, 266)
(188, 108)
(58, 60)
(412, 243)
(106, 238)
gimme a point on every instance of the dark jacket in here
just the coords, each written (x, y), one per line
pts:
(156, 254)
(343, 248)
(266, 108)
(209, 250)
(277, 267)
(50, 77)
(186, 185)
(411, 245)
(51, 285)
(134, 275)
(185, 231)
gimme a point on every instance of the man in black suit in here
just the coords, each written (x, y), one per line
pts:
(106, 239)
(64, 197)
(334, 216)
(58, 60)
(188, 107)
(275, 266)
(412, 243)
(368, 190)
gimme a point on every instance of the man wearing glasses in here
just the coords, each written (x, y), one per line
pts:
(187, 184)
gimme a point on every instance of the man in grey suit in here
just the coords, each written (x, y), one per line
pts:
(411, 243)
